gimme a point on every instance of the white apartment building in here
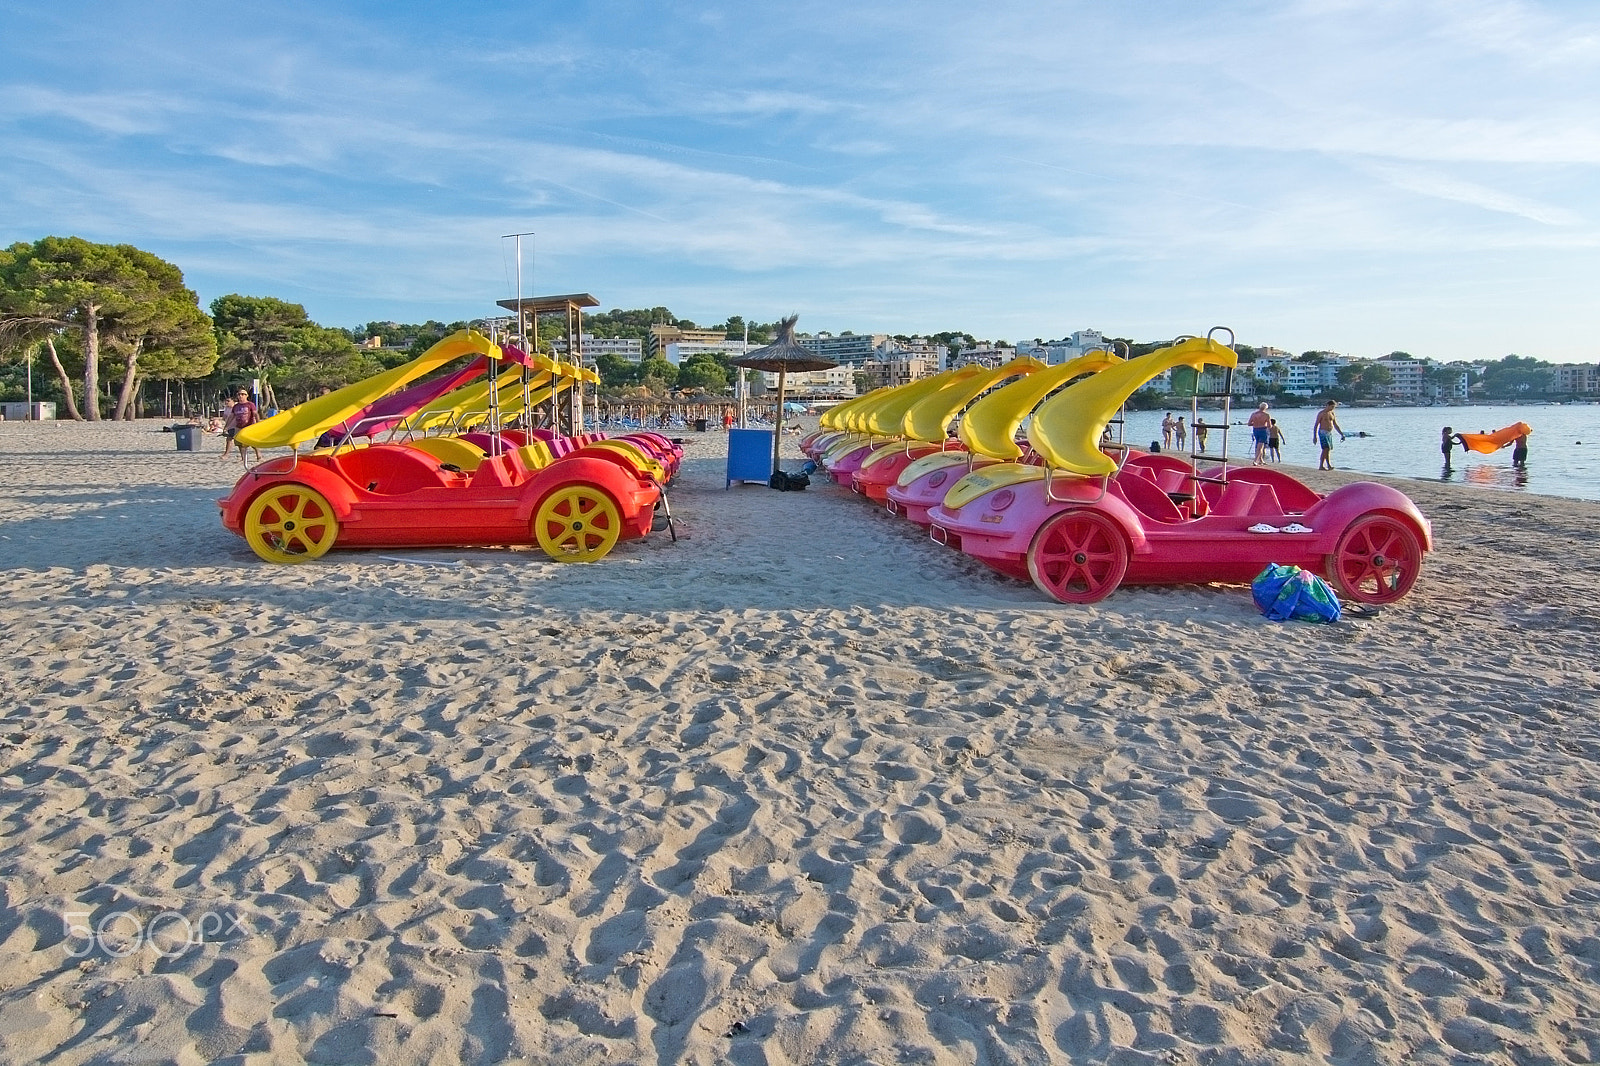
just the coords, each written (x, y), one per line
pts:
(846, 347)
(838, 381)
(662, 335)
(677, 352)
(1409, 382)
(629, 348)
(1583, 379)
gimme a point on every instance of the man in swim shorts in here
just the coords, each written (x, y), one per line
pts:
(1259, 423)
(1322, 432)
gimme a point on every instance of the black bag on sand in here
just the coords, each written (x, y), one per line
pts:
(784, 482)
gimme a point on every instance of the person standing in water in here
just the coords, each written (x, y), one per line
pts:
(1274, 442)
(1447, 443)
(1180, 434)
(1322, 432)
(1519, 451)
(1259, 423)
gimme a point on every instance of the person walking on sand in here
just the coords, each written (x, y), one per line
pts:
(1166, 432)
(1180, 434)
(1274, 442)
(1259, 422)
(1200, 431)
(240, 413)
(1322, 432)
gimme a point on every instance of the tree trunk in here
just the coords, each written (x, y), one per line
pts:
(91, 362)
(125, 398)
(66, 382)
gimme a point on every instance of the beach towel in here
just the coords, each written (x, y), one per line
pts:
(1288, 592)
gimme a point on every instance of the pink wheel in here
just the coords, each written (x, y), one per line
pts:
(1078, 557)
(1377, 560)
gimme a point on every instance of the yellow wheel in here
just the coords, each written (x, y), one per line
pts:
(290, 523)
(577, 524)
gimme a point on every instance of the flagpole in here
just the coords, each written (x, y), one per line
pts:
(522, 342)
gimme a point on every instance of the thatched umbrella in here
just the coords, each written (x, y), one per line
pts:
(780, 357)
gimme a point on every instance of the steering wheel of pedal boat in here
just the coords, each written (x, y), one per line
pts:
(577, 524)
(1078, 557)
(290, 523)
(1376, 560)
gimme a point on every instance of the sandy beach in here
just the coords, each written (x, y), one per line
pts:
(802, 787)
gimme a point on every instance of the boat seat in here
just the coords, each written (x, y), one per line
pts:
(1149, 499)
(1293, 496)
(1237, 498)
(392, 471)
(1169, 480)
(1248, 498)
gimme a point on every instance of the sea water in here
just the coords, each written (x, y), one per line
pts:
(1563, 450)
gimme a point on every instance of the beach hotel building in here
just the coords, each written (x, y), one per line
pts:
(629, 348)
(1276, 369)
(847, 348)
(1582, 379)
(835, 383)
(676, 345)
(663, 335)
(1408, 379)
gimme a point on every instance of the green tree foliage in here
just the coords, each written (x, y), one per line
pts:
(703, 371)
(615, 371)
(619, 323)
(164, 339)
(253, 331)
(108, 302)
(276, 341)
(1361, 381)
(659, 371)
(317, 357)
(1516, 376)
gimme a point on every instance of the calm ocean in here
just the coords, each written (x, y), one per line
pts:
(1563, 451)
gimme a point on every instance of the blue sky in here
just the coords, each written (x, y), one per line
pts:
(1361, 175)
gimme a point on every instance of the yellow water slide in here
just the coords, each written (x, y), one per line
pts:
(929, 419)
(990, 426)
(1066, 429)
(308, 421)
(833, 416)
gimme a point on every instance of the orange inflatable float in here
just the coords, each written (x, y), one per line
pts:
(1489, 443)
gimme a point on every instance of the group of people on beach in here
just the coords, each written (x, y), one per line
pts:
(1264, 434)
(237, 413)
(1268, 438)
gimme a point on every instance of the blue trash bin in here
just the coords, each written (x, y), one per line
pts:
(188, 437)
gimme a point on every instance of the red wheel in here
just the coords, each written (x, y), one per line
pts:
(1078, 557)
(1377, 560)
